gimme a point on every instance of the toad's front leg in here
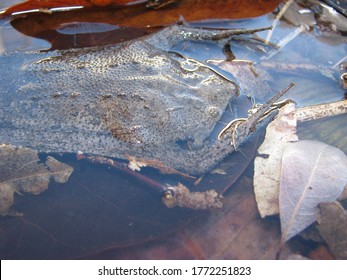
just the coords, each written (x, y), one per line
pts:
(241, 128)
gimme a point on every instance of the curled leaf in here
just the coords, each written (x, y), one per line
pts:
(312, 173)
(267, 166)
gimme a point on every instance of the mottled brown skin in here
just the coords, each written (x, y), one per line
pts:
(135, 99)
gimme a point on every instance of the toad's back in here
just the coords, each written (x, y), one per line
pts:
(133, 99)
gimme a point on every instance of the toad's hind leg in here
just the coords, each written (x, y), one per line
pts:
(204, 34)
(168, 37)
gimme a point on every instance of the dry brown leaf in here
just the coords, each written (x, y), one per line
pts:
(140, 16)
(267, 166)
(44, 5)
(333, 228)
(20, 171)
(279, 133)
(312, 173)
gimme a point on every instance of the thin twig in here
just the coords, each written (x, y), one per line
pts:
(284, 41)
(124, 168)
(276, 20)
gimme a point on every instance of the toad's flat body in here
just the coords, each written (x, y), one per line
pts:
(134, 99)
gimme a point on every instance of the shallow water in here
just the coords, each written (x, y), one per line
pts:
(102, 208)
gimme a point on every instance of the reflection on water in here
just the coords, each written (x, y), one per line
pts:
(12, 40)
(103, 208)
(7, 3)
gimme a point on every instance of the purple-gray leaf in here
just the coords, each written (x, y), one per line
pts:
(312, 173)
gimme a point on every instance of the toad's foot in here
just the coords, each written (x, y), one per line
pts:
(232, 127)
(241, 128)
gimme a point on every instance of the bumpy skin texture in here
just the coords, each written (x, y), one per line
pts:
(134, 99)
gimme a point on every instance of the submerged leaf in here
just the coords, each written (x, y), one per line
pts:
(20, 171)
(312, 173)
(6, 197)
(234, 232)
(333, 228)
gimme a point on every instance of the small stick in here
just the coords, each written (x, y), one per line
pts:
(276, 20)
(124, 168)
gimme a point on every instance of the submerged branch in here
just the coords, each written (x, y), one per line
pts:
(319, 111)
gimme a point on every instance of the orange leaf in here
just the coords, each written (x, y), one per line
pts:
(191, 10)
(47, 4)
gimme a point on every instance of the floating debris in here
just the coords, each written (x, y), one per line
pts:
(181, 196)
